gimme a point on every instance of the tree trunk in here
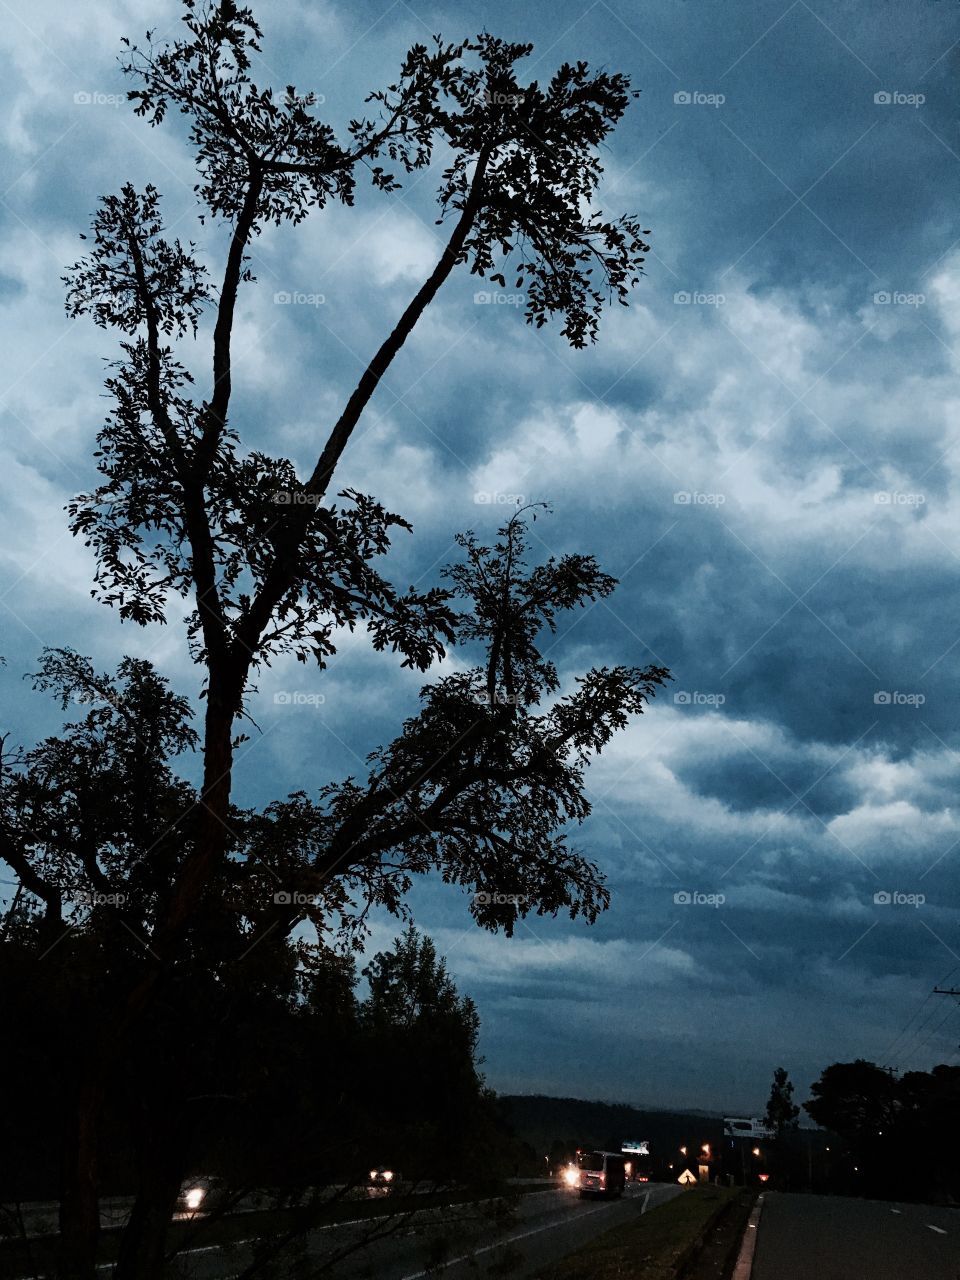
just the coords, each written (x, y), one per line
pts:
(212, 831)
(161, 1169)
(79, 1193)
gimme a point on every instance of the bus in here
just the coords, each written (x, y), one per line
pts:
(601, 1173)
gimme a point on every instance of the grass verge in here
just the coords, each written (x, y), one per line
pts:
(652, 1247)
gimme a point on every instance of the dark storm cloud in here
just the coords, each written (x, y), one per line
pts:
(763, 450)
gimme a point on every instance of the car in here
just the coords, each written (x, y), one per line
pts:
(200, 1195)
(381, 1181)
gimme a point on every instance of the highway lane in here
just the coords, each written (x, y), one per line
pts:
(837, 1238)
(545, 1226)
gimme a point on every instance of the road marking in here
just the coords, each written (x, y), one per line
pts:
(939, 1230)
(354, 1222)
(419, 1275)
(643, 1207)
(896, 1211)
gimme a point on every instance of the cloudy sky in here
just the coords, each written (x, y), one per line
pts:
(763, 449)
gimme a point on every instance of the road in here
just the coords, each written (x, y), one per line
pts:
(836, 1238)
(546, 1226)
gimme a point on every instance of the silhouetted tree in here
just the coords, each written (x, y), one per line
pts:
(782, 1112)
(853, 1098)
(98, 828)
(479, 780)
(901, 1134)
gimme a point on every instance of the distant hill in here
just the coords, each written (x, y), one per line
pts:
(541, 1121)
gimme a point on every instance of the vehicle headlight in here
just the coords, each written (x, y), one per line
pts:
(388, 1175)
(373, 1175)
(571, 1177)
(194, 1197)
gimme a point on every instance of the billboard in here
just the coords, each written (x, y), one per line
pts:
(635, 1148)
(735, 1127)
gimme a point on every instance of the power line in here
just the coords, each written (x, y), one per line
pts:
(936, 1031)
(888, 1052)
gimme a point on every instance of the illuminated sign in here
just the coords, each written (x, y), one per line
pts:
(636, 1148)
(746, 1128)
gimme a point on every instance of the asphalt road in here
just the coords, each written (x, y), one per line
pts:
(836, 1238)
(546, 1226)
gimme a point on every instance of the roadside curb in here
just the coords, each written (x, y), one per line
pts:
(693, 1249)
(744, 1265)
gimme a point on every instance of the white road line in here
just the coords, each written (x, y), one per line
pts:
(419, 1275)
(939, 1230)
(643, 1207)
(896, 1211)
